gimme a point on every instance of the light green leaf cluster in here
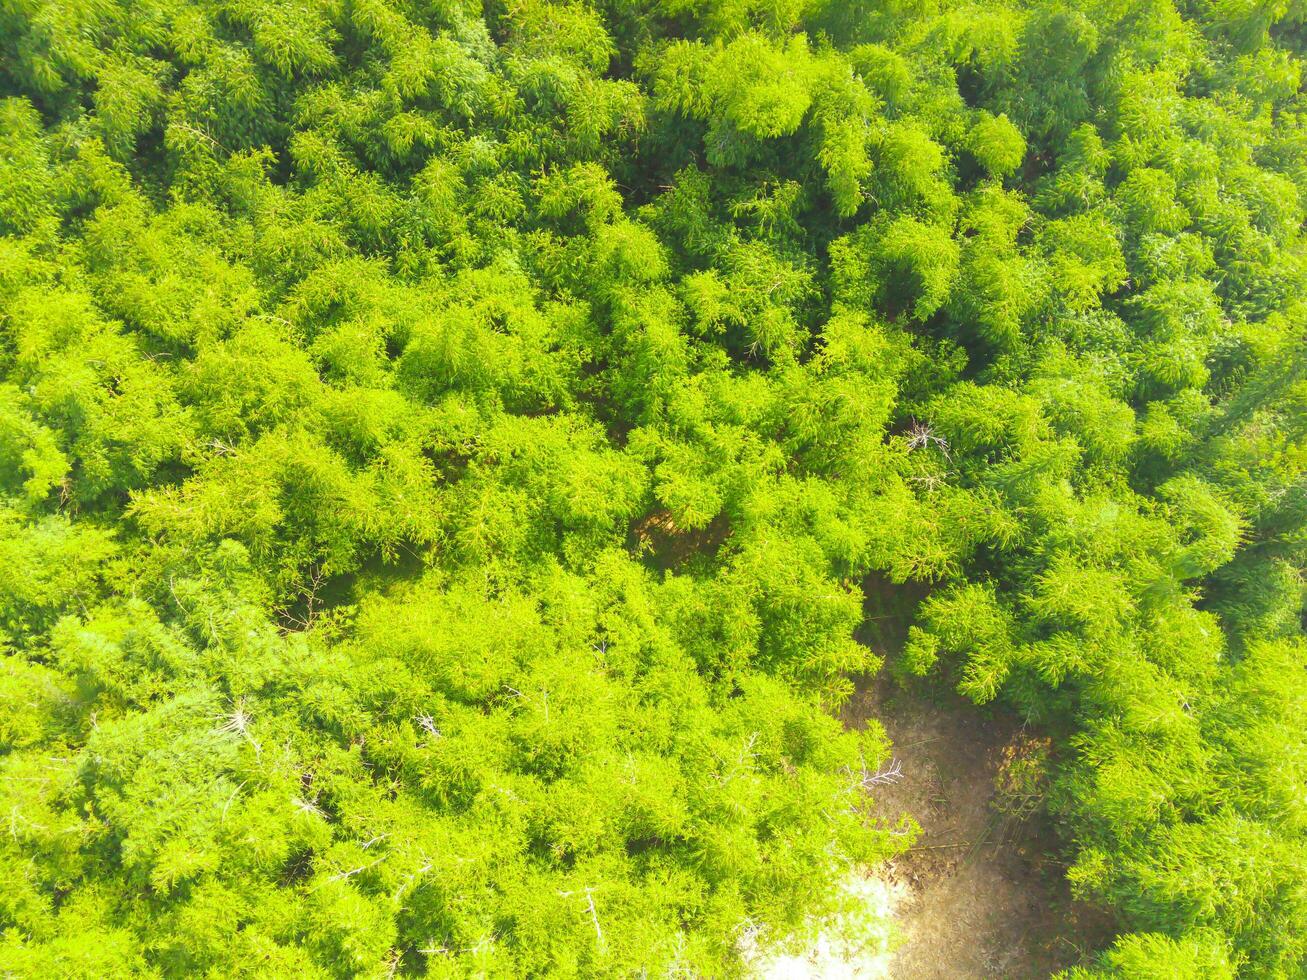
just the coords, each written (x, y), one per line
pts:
(449, 456)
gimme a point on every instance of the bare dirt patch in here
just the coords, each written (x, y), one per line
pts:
(985, 893)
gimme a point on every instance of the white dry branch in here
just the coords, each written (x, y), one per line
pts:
(238, 721)
(885, 776)
(309, 807)
(588, 892)
(921, 435)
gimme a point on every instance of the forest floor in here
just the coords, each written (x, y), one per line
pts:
(980, 895)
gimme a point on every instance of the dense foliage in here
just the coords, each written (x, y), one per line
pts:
(442, 447)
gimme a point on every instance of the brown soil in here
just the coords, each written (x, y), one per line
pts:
(986, 895)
